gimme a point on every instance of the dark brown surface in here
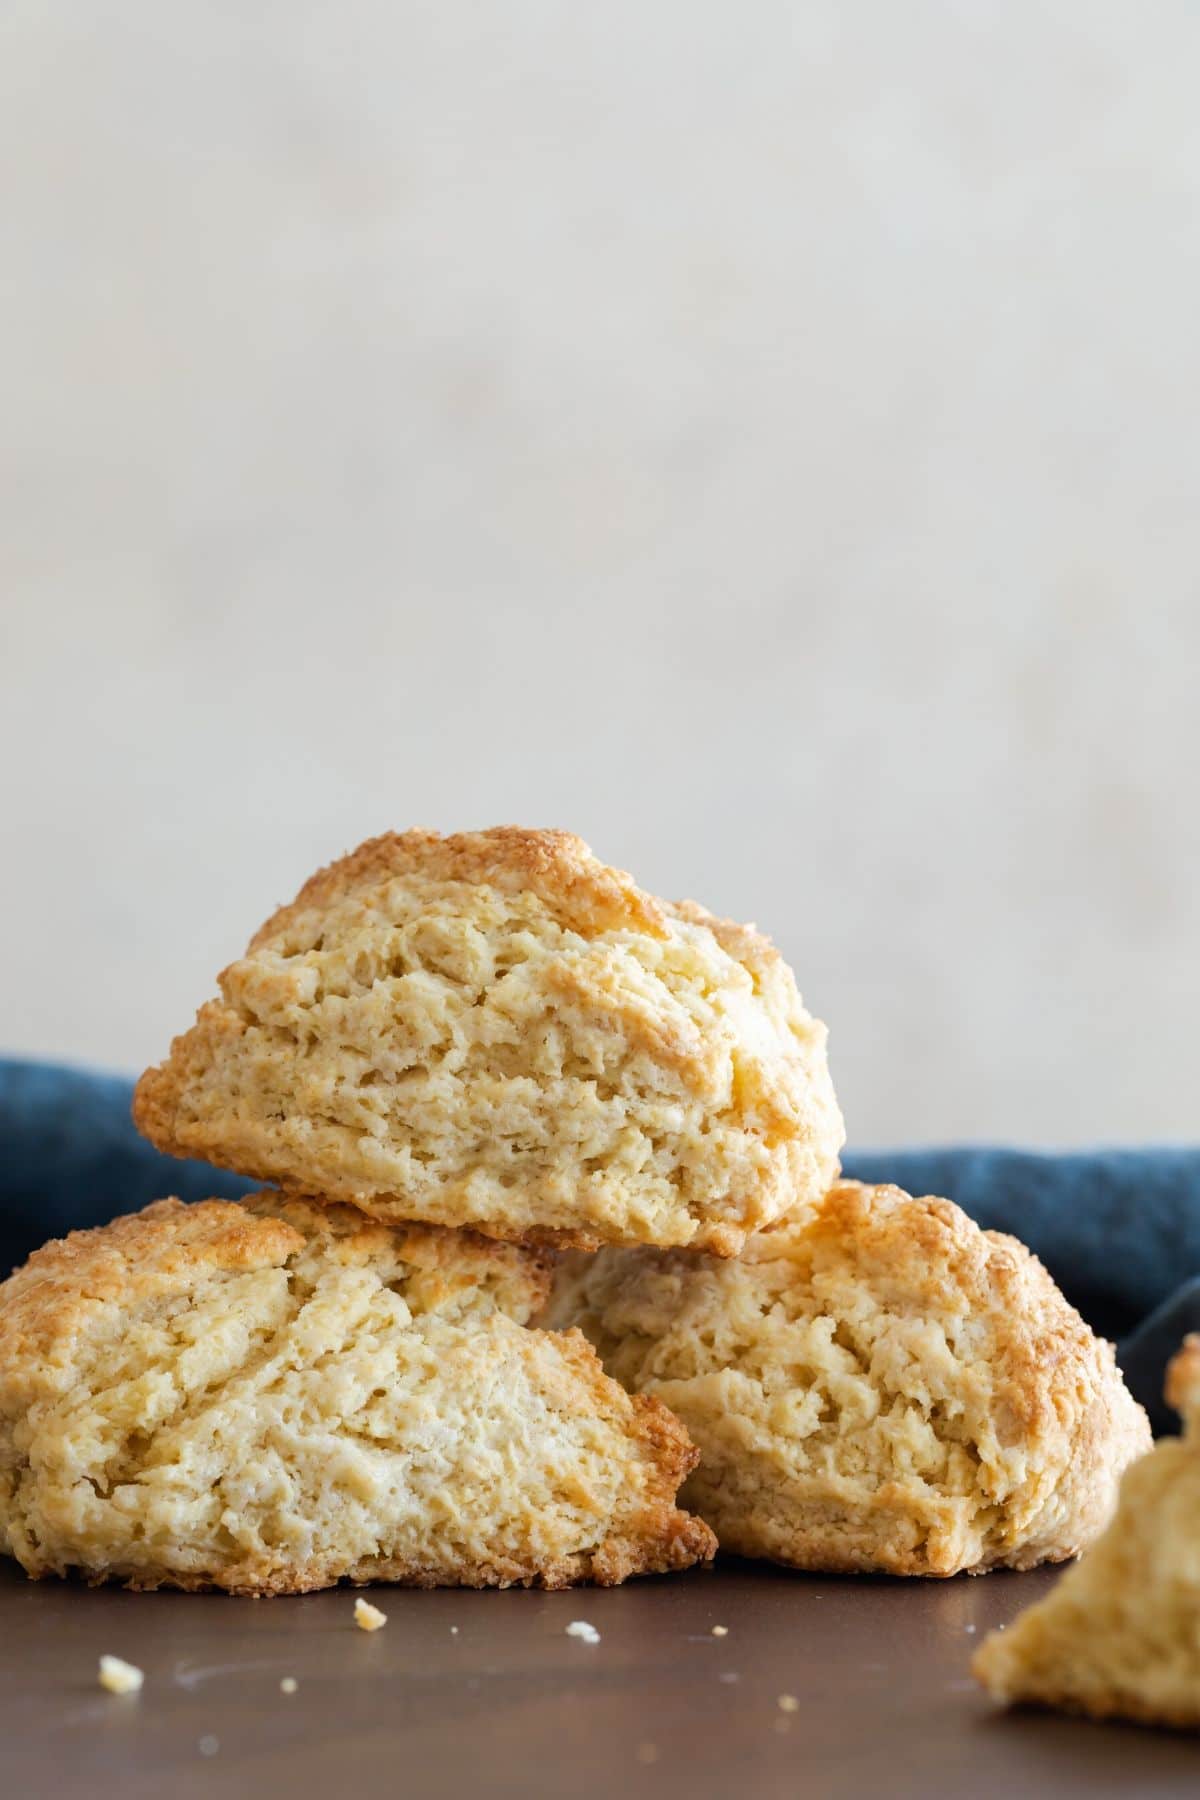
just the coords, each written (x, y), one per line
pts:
(509, 1705)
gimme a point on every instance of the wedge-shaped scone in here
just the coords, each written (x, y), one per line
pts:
(881, 1386)
(276, 1396)
(497, 1031)
(1120, 1634)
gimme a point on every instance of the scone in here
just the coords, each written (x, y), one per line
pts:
(1120, 1634)
(275, 1396)
(496, 1031)
(879, 1386)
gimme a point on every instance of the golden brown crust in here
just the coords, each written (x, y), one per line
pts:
(495, 1031)
(47, 1299)
(878, 1386)
(556, 865)
(275, 1395)
(745, 943)
(158, 1250)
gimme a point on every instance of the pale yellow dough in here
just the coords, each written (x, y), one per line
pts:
(877, 1386)
(1120, 1634)
(276, 1396)
(498, 1031)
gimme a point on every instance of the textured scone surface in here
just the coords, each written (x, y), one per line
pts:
(496, 1030)
(878, 1386)
(272, 1396)
(1120, 1634)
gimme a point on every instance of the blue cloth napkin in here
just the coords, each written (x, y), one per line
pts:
(1118, 1229)
(70, 1157)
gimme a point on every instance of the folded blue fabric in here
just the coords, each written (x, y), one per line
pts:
(70, 1157)
(1118, 1229)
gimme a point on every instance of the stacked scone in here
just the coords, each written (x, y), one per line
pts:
(516, 1112)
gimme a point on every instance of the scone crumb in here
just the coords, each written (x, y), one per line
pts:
(368, 1617)
(288, 1685)
(454, 1631)
(120, 1677)
(720, 1631)
(581, 1629)
(788, 1703)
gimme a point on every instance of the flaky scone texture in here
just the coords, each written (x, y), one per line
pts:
(879, 1386)
(497, 1031)
(1120, 1634)
(278, 1395)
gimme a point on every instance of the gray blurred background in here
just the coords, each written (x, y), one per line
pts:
(764, 439)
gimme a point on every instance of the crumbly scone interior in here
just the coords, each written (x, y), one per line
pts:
(1120, 1633)
(475, 1052)
(318, 1398)
(872, 1388)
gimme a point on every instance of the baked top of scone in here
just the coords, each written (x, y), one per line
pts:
(1119, 1636)
(497, 1031)
(879, 1385)
(276, 1395)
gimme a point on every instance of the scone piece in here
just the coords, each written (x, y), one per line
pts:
(1120, 1634)
(275, 1396)
(497, 1031)
(879, 1386)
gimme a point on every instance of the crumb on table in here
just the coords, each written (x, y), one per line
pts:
(288, 1685)
(120, 1677)
(368, 1617)
(720, 1631)
(579, 1628)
